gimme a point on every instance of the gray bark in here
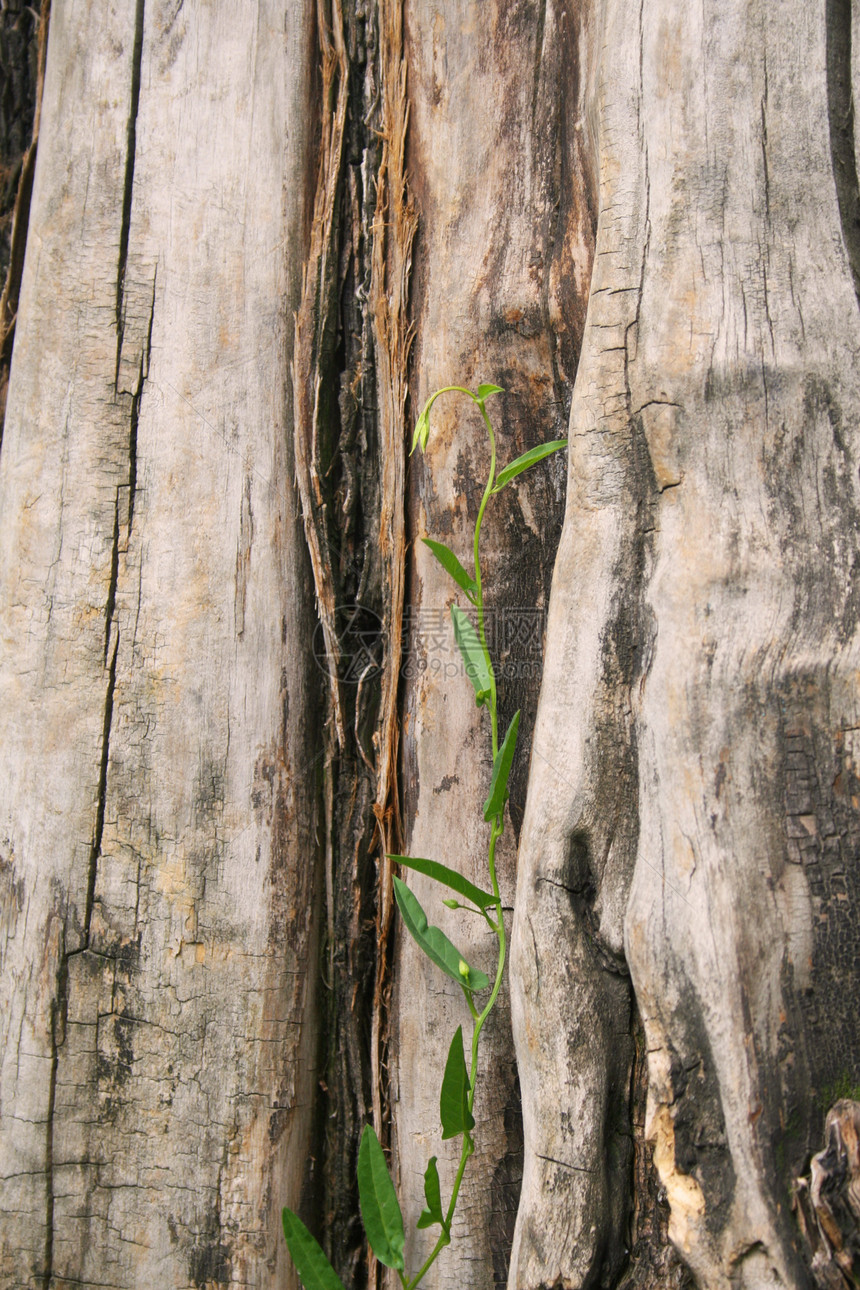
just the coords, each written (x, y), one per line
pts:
(254, 248)
(503, 256)
(691, 805)
(157, 1062)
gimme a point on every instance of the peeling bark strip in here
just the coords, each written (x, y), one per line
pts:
(23, 50)
(394, 225)
(315, 335)
(352, 340)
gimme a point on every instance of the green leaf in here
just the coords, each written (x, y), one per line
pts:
(484, 391)
(454, 1099)
(448, 878)
(528, 459)
(433, 1196)
(422, 431)
(477, 668)
(315, 1271)
(452, 565)
(434, 942)
(502, 761)
(380, 1208)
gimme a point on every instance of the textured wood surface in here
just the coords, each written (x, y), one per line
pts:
(156, 818)
(692, 805)
(641, 219)
(502, 256)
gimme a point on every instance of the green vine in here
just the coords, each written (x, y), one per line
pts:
(380, 1208)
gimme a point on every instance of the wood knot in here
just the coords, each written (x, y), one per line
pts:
(827, 1203)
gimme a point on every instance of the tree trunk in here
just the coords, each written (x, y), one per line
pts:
(159, 1044)
(228, 684)
(503, 256)
(692, 804)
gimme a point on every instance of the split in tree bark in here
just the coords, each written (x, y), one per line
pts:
(23, 48)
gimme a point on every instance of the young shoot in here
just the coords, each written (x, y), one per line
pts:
(380, 1208)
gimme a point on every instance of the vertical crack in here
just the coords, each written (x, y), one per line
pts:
(765, 166)
(134, 417)
(58, 1026)
(98, 830)
(110, 603)
(121, 531)
(128, 183)
(840, 109)
(351, 345)
(132, 448)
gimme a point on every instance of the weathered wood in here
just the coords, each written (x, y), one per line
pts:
(160, 885)
(349, 372)
(696, 734)
(827, 1203)
(190, 796)
(502, 258)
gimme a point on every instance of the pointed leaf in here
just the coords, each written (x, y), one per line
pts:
(527, 459)
(380, 1208)
(451, 564)
(315, 1271)
(484, 391)
(434, 942)
(422, 432)
(448, 878)
(433, 1196)
(477, 668)
(454, 1099)
(495, 803)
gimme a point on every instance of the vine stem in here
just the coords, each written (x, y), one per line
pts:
(496, 828)
(479, 596)
(468, 1145)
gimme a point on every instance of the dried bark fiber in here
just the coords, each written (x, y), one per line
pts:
(349, 374)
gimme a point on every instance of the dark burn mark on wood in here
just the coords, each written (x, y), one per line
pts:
(812, 504)
(821, 792)
(653, 1263)
(701, 1147)
(505, 1187)
(209, 1258)
(446, 783)
(840, 108)
(23, 49)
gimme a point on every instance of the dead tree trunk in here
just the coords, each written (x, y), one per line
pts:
(693, 808)
(159, 944)
(254, 246)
